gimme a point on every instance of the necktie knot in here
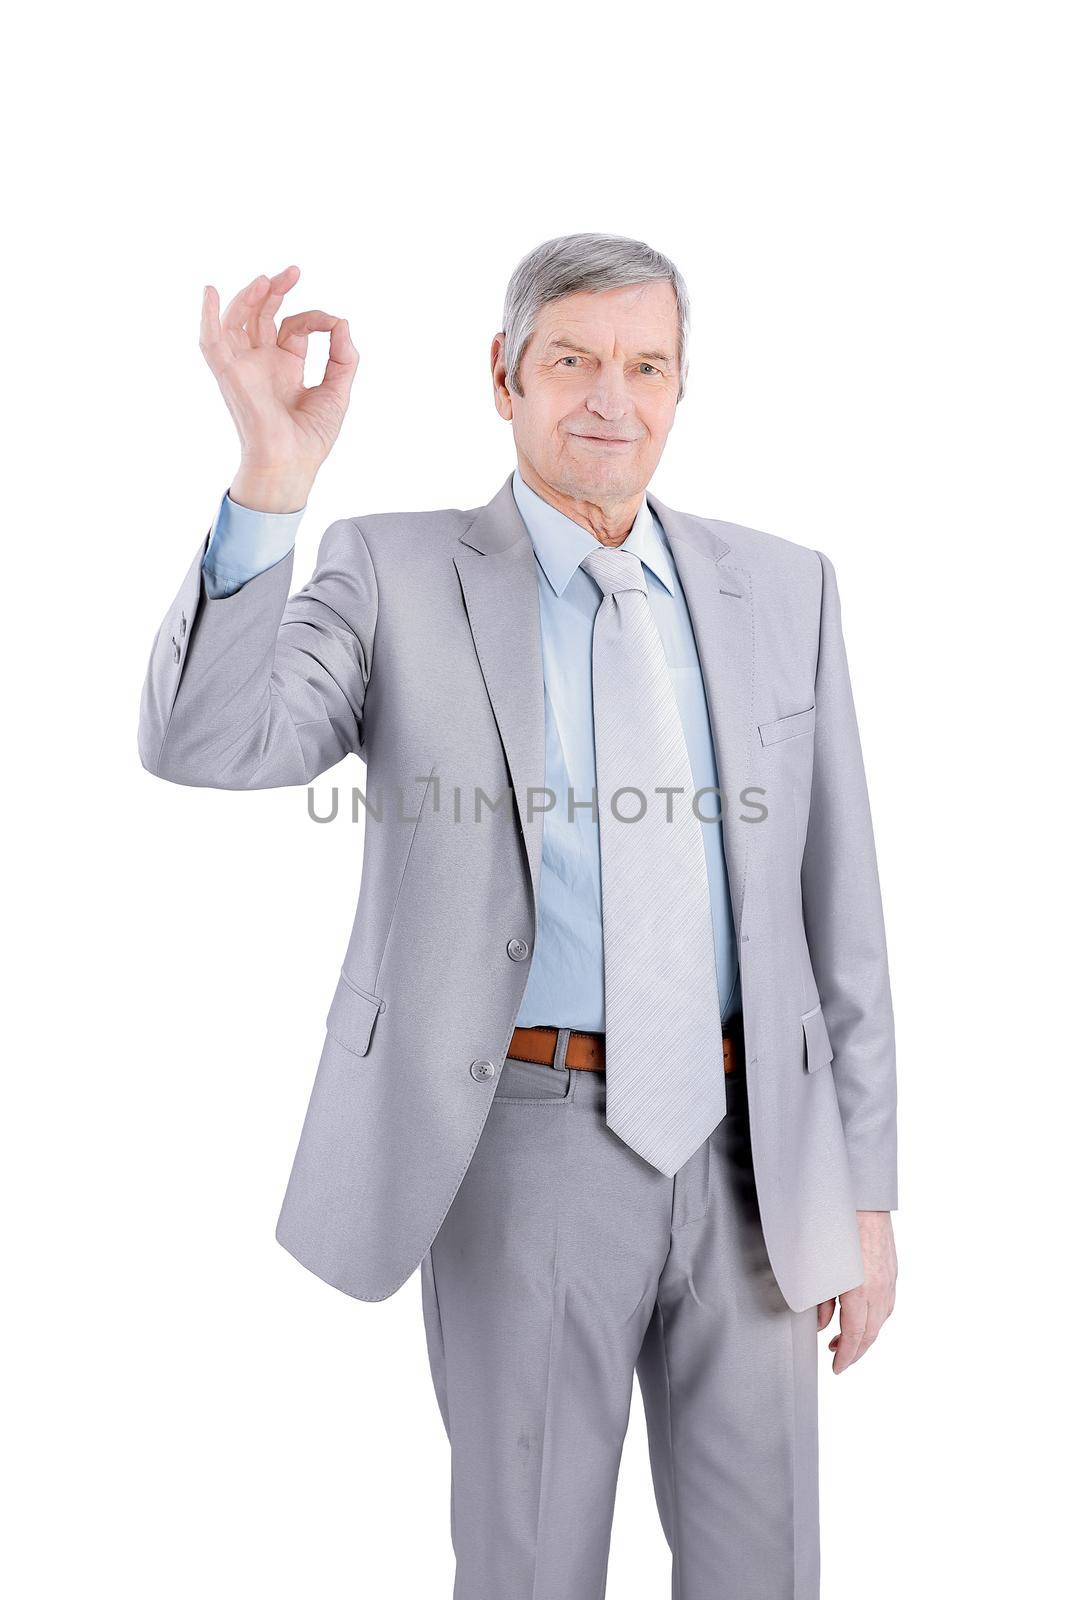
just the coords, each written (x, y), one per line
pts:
(616, 571)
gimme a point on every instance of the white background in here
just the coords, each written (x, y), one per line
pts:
(866, 203)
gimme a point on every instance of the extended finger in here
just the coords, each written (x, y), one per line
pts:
(853, 1322)
(878, 1308)
(825, 1313)
(261, 329)
(243, 304)
(871, 1329)
(211, 340)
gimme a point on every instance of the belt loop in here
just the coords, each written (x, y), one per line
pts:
(559, 1055)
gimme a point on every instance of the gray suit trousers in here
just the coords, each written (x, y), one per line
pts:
(564, 1264)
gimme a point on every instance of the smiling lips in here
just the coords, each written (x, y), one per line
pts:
(595, 438)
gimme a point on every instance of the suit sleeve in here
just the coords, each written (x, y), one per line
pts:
(844, 923)
(258, 688)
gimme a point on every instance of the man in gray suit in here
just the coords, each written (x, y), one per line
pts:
(610, 1055)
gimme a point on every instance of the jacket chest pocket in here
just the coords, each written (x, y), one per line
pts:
(352, 1015)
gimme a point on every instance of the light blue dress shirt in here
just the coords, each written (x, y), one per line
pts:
(566, 983)
(243, 543)
(565, 987)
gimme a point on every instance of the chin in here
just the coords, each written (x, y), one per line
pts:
(611, 480)
(595, 479)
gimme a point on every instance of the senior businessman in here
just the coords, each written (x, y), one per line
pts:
(610, 1056)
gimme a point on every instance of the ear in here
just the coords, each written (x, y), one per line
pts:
(501, 392)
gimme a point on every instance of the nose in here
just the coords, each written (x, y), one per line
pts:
(607, 396)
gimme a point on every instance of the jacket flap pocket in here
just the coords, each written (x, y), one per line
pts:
(817, 1049)
(352, 1016)
(787, 727)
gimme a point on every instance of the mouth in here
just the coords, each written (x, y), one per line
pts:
(604, 444)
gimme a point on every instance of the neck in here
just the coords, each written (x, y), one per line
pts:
(608, 521)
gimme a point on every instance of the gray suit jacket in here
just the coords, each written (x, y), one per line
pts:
(416, 644)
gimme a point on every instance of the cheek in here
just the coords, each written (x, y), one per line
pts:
(658, 423)
(541, 428)
(544, 411)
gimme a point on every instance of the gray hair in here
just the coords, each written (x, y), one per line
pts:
(584, 263)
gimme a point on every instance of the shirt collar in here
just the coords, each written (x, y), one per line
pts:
(561, 544)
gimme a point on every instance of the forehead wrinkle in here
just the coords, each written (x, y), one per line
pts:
(563, 341)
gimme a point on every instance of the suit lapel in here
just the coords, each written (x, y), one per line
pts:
(719, 599)
(497, 570)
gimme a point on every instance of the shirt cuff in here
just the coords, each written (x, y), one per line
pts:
(243, 543)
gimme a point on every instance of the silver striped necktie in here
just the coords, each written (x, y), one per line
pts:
(666, 1089)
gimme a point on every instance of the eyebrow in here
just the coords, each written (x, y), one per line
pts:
(560, 342)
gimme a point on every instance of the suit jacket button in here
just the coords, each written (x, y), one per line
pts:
(176, 648)
(482, 1069)
(518, 949)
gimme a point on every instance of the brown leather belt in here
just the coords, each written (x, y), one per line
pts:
(585, 1051)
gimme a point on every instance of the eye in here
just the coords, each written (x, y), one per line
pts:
(569, 358)
(648, 367)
